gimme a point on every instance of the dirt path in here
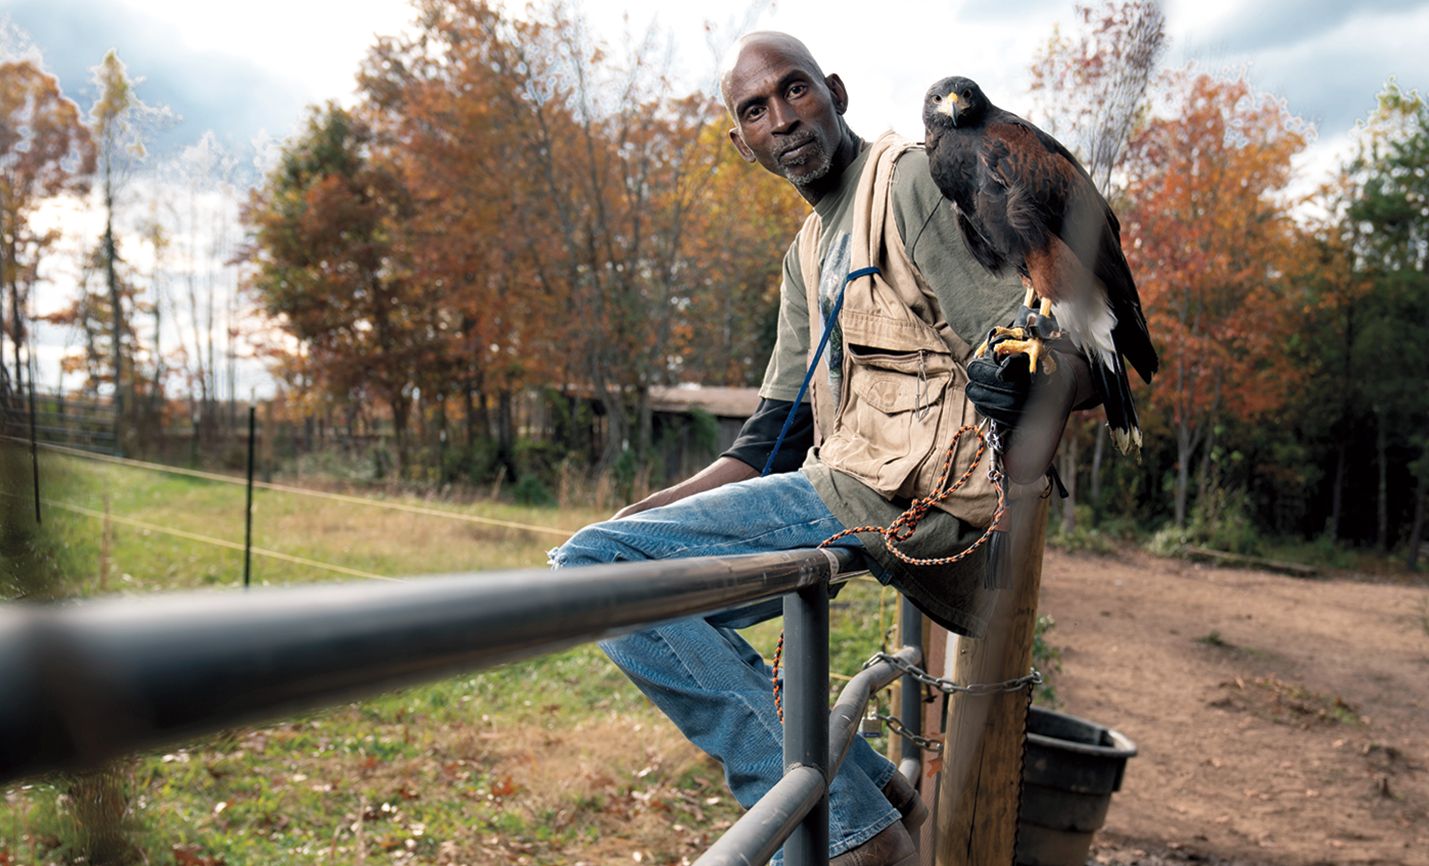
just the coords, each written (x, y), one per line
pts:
(1279, 720)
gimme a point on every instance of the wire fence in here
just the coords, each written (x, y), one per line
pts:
(298, 491)
(52, 451)
(216, 542)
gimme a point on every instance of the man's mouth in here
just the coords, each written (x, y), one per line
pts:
(798, 151)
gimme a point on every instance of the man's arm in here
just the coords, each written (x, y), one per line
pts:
(1050, 399)
(724, 470)
(746, 457)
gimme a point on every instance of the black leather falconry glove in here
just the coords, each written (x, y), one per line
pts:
(999, 387)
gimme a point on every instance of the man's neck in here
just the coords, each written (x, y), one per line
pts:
(850, 146)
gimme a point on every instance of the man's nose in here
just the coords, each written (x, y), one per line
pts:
(783, 116)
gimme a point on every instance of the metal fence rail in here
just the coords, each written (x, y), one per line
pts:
(84, 682)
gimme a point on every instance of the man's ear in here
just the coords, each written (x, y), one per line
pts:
(738, 141)
(836, 87)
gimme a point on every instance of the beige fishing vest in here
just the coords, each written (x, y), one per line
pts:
(902, 394)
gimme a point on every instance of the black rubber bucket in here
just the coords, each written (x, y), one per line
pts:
(1071, 769)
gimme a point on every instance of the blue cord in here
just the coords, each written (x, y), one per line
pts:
(814, 363)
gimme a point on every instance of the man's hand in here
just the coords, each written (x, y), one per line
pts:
(723, 471)
(1033, 408)
(999, 387)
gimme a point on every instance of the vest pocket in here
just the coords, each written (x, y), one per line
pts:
(899, 413)
(976, 501)
(888, 421)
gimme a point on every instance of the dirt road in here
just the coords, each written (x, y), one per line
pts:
(1279, 720)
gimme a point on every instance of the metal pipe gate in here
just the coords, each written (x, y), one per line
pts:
(84, 682)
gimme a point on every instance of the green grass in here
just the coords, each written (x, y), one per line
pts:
(1213, 639)
(545, 762)
(365, 538)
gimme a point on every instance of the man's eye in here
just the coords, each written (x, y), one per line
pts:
(798, 89)
(754, 113)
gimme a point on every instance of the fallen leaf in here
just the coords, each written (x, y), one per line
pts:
(188, 855)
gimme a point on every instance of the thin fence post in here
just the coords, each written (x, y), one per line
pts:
(34, 448)
(106, 535)
(936, 647)
(248, 508)
(806, 717)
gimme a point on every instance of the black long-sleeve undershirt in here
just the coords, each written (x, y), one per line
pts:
(756, 438)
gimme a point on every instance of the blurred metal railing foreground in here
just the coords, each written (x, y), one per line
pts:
(84, 682)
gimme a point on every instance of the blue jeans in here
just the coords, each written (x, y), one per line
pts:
(700, 673)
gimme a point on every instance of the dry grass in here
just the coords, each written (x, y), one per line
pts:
(554, 761)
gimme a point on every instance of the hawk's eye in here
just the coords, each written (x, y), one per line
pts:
(937, 98)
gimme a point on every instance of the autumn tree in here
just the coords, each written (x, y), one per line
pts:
(441, 114)
(325, 263)
(729, 283)
(89, 314)
(557, 217)
(1210, 232)
(1090, 89)
(617, 166)
(566, 202)
(120, 121)
(200, 209)
(45, 151)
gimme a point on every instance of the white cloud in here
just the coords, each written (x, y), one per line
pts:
(316, 45)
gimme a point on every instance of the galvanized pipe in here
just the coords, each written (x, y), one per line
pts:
(853, 700)
(764, 827)
(910, 706)
(84, 682)
(806, 715)
(759, 832)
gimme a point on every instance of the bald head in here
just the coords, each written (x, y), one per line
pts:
(760, 41)
(788, 115)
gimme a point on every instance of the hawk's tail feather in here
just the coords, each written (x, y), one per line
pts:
(1115, 390)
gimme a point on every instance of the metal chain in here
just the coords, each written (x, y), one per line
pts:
(1028, 681)
(902, 527)
(925, 743)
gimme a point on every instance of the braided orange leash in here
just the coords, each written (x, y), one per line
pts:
(901, 529)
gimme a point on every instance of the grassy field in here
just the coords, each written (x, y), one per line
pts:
(558, 760)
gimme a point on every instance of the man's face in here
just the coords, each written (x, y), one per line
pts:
(786, 116)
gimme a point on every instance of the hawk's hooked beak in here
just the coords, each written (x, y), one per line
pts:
(949, 105)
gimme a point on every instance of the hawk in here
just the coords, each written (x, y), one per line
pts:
(1023, 200)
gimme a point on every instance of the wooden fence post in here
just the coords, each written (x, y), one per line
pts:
(977, 802)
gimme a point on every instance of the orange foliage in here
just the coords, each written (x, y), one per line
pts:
(1210, 238)
(45, 150)
(582, 226)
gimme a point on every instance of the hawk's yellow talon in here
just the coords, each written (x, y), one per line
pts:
(1032, 348)
(1016, 333)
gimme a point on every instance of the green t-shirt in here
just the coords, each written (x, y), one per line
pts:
(971, 300)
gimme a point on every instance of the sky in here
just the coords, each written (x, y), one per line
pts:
(242, 70)
(246, 72)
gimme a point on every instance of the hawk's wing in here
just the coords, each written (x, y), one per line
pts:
(1042, 190)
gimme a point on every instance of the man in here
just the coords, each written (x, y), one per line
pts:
(788, 117)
